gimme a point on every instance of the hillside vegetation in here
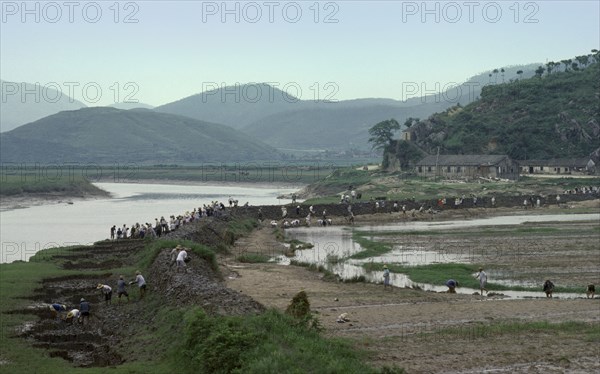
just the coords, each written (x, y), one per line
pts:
(548, 116)
(107, 135)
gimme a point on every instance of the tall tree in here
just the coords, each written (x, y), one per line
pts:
(583, 60)
(495, 75)
(502, 74)
(539, 71)
(410, 121)
(406, 153)
(567, 63)
(382, 133)
(519, 73)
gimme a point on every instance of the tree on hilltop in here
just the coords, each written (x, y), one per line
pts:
(539, 71)
(382, 133)
(410, 121)
(519, 73)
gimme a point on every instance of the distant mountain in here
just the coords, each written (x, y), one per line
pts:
(553, 115)
(22, 103)
(128, 106)
(107, 135)
(235, 106)
(289, 123)
(332, 127)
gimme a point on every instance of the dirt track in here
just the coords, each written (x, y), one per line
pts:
(424, 331)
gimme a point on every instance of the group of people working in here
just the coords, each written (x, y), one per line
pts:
(82, 313)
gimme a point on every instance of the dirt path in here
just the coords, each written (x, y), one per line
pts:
(417, 330)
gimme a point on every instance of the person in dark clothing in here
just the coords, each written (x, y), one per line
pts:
(451, 284)
(548, 288)
(84, 309)
(591, 291)
(121, 284)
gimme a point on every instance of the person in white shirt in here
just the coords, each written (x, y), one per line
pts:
(482, 276)
(181, 256)
(74, 314)
(106, 291)
(141, 282)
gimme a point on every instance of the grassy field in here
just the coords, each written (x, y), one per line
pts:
(402, 186)
(76, 186)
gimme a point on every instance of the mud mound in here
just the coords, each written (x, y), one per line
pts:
(82, 345)
(200, 285)
(210, 232)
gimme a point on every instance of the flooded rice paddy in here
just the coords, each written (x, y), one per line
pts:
(516, 251)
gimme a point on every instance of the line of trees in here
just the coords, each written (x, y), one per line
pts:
(570, 64)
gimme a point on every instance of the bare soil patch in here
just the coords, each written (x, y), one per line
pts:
(427, 332)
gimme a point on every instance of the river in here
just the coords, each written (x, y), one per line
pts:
(26, 231)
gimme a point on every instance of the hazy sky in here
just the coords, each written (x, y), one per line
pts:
(170, 50)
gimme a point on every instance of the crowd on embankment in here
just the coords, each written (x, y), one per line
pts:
(296, 213)
(412, 206)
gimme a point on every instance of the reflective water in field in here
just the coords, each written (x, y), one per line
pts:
(333, 246)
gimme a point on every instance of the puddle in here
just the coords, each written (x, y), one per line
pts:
(413, 255)
(491, 221)
(334, 245)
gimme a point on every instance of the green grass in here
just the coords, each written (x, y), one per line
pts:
(268, 343)
(196, 250)
(328, 275)
(590, 331)
(371, 184)
(68, 185)
(253, 258)
(299, 244)
(241, 227)
(371, 248)
(438, 274)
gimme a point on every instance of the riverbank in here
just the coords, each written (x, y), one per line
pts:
(28, 200)
(23, 191)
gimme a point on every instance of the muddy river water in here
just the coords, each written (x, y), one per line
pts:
(26, 231)
(333, 246)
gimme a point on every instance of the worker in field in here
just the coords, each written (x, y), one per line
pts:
(452, 285)
(57, 309)
(84, 311)
(74, 314)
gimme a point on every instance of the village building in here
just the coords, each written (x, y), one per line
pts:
(584, 165)
(468, 167)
